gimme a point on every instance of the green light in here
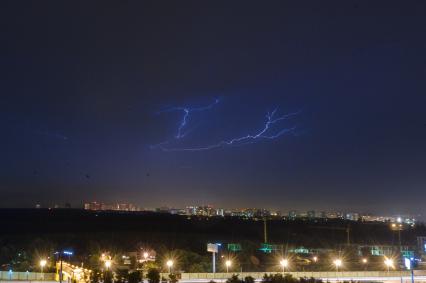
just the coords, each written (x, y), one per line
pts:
(234, 247)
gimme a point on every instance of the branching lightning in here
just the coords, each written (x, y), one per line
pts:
(186, 113)
(266, 133)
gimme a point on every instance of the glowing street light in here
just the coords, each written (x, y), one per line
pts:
(145, 255)
(388, 263)
(169, 264)
(284, 264)
(228, 264)
(364, 262)
(108, 264)
(315, 259)
(43, 263)
(337, 263)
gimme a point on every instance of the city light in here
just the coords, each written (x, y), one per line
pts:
(284, 264)
(338, 263)
(364, 260)
(169, 264)
(228, 264)
(389, 263)
(315, 259)
(108, 263)
(145, 255)
(42, 263)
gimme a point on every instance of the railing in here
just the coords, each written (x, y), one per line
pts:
(323, 275)
(26, 276)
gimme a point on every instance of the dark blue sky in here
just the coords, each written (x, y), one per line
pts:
(81, 87)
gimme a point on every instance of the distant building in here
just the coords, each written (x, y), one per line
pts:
(220, 212)
(292, 214)
(93, 206)
(105, 206)
(352, 216)
(311, 214)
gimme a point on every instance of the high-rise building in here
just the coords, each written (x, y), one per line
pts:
(311, 214)
(292, 214)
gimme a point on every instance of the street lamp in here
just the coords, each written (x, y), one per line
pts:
(228, 264)
(169, 264)
(284, 263)
(337, 263)
(145, 255)
(315, 259)
(364, 262)
(43, 263)
(108, 264)
(388, 263)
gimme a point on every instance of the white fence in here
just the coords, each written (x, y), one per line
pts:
(324, 275)
(26, 276)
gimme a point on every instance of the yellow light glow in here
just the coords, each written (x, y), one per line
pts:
(337, 262)
(108, 263)
(284, 262)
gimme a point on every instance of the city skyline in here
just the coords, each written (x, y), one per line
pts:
(210, 210)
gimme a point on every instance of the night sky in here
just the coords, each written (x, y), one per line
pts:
(93, 96)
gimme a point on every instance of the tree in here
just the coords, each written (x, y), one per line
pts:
(122, 275)
(135, 277)
(153, 275)
(234, 279)
(95, 276)
(173, 278)
(279, 278)
(310, 280)
(248, 279)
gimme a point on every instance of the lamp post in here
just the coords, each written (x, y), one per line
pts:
(228, 264)
(388, 263)
(43, 263)
(364, 262)
(169, 264)
(108, 264)
(337, 263)
(284, 264)
(59, 254)
(145, 256)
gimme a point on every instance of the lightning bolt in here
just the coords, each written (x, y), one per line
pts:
(261, 135)
(186, 113)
